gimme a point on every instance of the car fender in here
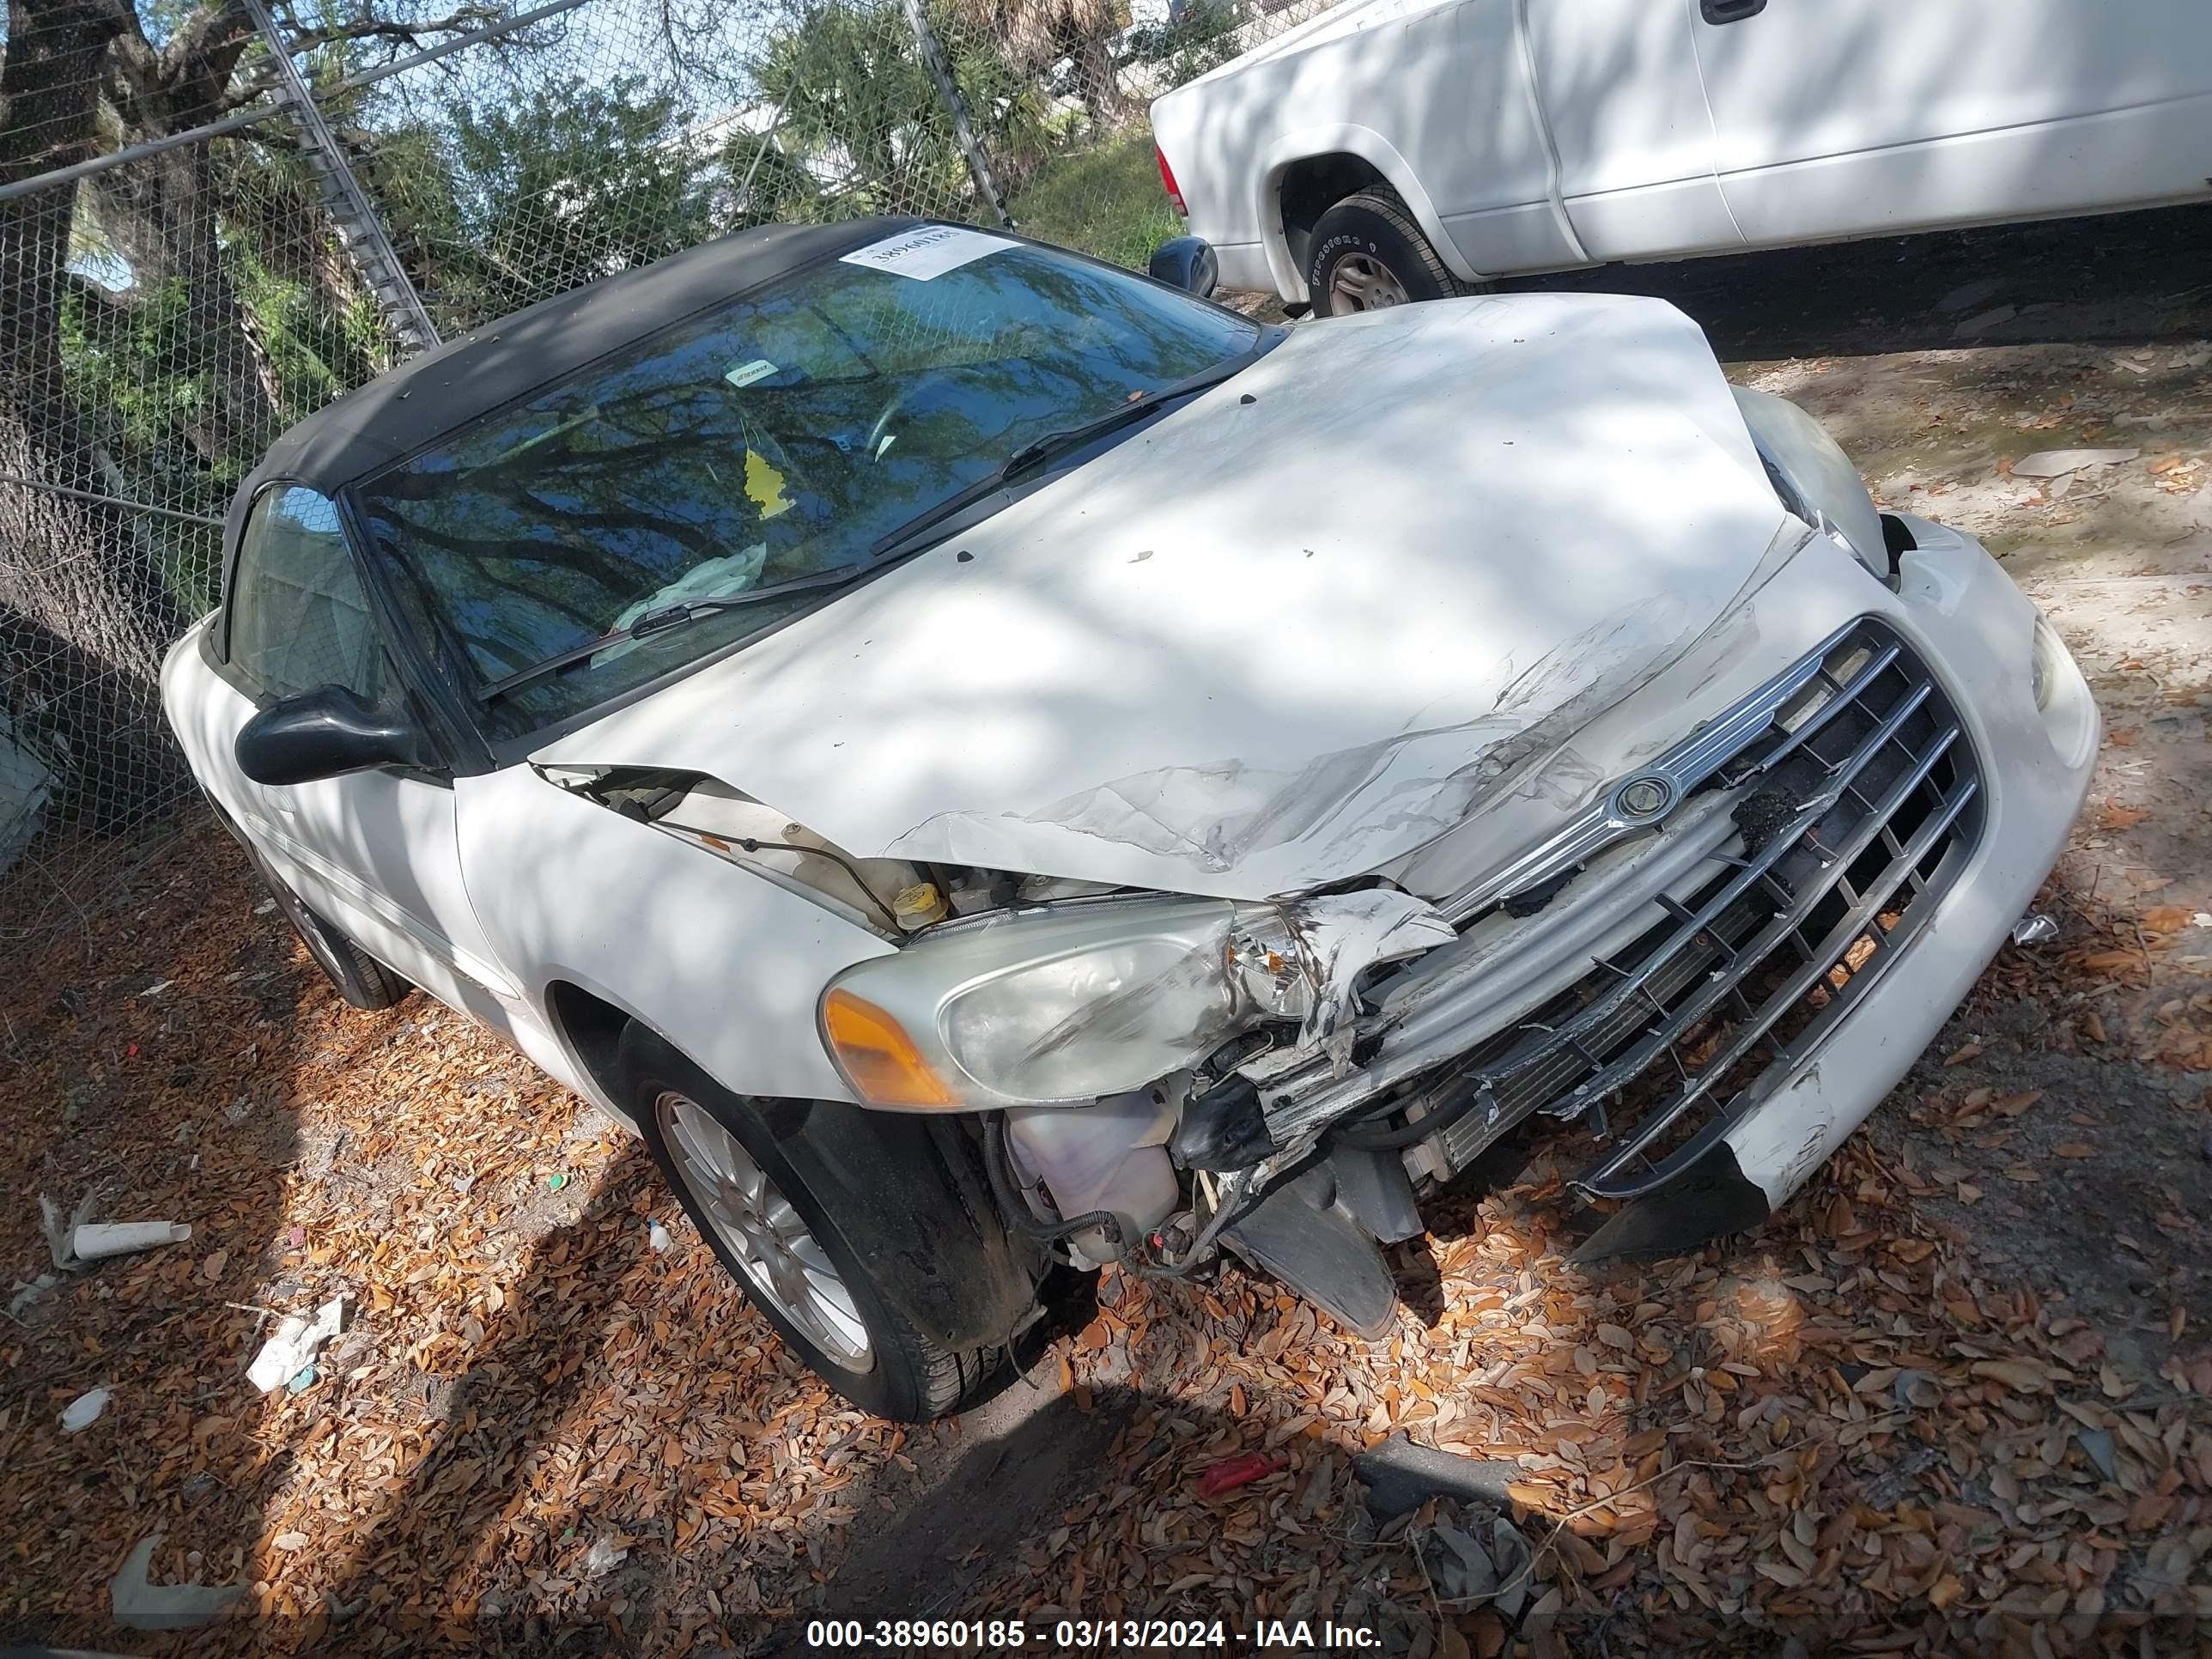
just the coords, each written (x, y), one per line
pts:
(1346, 138)
(724, 965)
(726, 968)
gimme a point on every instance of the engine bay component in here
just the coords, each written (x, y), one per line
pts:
(918, 906)
(733, 825)
(1013, 1201)
(1108, 1160)
(1307, 1236)
(1223, 1129)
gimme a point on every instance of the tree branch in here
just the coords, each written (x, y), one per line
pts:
(213, 27)
(468, 17)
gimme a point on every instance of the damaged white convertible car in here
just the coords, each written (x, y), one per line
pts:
(994, 764)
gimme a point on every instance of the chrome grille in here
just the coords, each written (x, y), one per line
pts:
(1857, 798)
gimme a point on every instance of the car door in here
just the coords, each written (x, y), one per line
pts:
(376, 853)
(1843, 118)
(1625, 114)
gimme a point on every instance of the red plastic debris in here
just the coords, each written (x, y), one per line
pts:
(1241, 1470)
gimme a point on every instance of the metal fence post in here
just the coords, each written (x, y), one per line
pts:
(939, 70)
(351, 212)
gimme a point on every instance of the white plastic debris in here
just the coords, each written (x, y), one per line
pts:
(292, 1348)
(657, 1236)
(604, 1557)
(94, 1239)
(143, 1606)
(84, 1411)
(59, 1232)
(2056, 463)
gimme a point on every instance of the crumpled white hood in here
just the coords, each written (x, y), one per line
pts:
(1291, 633)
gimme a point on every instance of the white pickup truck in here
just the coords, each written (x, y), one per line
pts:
(1389, 150)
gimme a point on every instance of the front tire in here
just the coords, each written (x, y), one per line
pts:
(748, 1175)
(1367, 254)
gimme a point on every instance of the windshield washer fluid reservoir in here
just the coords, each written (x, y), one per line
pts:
(1112, 1157)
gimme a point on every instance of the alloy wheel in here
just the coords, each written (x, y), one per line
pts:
(1363, 283)
(785, 1264)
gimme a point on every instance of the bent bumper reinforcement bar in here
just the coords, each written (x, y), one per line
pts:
(1857, 798)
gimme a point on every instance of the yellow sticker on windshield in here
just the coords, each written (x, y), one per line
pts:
(764, 484)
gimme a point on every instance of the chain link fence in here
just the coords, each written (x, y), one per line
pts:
(216, 217)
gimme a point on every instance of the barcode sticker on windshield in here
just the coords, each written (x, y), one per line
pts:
(930, 252)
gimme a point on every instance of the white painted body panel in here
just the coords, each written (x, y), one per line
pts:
(1638, 164)
(1974, 628)
(1452, 569)
(378, 853)
(1265, 644)
(1945, 112)
(724, 964)
(1541, 135)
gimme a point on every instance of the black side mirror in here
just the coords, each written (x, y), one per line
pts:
(1187, 263)
(323, 733)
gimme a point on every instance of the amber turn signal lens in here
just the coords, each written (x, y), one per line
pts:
(877, 1056)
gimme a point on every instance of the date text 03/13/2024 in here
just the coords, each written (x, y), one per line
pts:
(1086, 1635)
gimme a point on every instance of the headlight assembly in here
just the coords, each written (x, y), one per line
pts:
(1059, 1008)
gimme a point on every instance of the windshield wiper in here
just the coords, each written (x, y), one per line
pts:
(1045, 444)
(675, 616)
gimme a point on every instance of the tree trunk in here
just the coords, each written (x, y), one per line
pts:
(287, 225)
(1095, 83)
(161, 216)
(160, 213)
(71, 569)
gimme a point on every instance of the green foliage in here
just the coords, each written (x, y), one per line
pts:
(575, 182)
(107, 351)
(1203, 37)
(495, 201)
(1106, 201)
(863, 130)
(120, 362)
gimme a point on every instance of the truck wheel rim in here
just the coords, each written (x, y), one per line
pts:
(785, 1265)
(1360, 282)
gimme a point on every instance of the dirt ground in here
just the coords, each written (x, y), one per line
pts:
(1957, 1397)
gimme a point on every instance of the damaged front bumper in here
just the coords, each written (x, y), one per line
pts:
(1725, 958)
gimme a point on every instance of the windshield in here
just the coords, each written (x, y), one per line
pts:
(779, 437)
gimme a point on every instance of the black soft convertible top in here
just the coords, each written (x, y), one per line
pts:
(403, 408)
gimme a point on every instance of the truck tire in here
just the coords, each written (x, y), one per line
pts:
(359, 977)
(763, 1184)
(1368, 253)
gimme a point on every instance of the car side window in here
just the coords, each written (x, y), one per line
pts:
(299, 617)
